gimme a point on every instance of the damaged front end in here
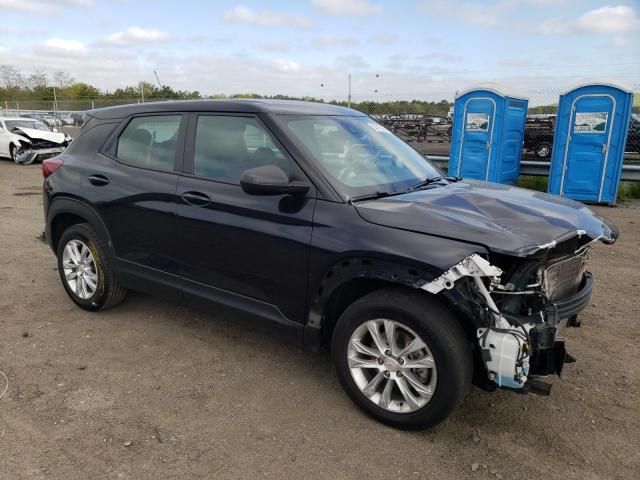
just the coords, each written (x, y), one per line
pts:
(33, 144)
(520, 306)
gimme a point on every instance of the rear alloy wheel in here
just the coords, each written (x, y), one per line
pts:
(402, 357)
(80, 271)
(85, 269)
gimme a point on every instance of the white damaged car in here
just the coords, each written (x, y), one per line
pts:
(25, 140)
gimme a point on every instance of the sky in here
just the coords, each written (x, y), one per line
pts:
(392, 49)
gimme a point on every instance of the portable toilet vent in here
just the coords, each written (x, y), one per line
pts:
(487, 134)
(588, 145)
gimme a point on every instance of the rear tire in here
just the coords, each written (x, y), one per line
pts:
(86, 270)
(447, 349)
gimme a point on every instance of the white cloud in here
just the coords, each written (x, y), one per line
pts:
(334, 41)
(347, 7)
(27, 6)
(285, 65)
(42, 7)
(618, 19)
(266, 18)
(136, 36)
(60, 45)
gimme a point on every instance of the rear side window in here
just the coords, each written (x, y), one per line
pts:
(150, 142)
(227, 146)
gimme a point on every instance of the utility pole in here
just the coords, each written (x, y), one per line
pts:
(157, 79)
(349, 99)
(55, 104)
(142, 91)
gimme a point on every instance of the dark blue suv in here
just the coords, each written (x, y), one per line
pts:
(325, 225)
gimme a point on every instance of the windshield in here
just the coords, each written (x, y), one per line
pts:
(360, 156)
(35, 124)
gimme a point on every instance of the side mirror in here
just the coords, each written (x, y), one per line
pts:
(270, 180)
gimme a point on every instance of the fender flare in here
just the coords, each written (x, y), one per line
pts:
(73, 206)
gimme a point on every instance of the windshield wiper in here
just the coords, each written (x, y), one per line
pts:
(431, 180)
(372, 196)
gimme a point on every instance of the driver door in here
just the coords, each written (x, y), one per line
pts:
(235, 247)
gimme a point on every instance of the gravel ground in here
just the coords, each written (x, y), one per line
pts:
(154, 390)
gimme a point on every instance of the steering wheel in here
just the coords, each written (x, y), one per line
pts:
(352, 161)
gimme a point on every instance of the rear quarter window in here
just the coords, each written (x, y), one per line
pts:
(91, 140)
(150, 142)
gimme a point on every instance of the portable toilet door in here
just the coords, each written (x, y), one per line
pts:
(588, 147)
(482, 144)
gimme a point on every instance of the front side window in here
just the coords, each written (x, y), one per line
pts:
(360, 156)
(227, 146)
(150, 142)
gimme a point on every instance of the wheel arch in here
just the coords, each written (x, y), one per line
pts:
(354, 277)
(64, 212)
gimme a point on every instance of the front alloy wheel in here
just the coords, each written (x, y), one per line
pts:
(403, 357)
(392, 365)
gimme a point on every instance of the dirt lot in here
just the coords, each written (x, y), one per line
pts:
(154, 390)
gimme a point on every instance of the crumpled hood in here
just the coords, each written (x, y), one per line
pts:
(32, 133)
(504, 219)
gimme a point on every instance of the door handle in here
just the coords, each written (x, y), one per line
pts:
(98, 180)
(196, 198)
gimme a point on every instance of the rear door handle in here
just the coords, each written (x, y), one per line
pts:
(196, 198)
(98, 180)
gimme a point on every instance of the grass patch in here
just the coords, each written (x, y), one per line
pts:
(534, 183)
(627, 190)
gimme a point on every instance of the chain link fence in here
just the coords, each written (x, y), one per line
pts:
(426, 124)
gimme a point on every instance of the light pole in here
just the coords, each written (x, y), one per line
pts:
(349, 95)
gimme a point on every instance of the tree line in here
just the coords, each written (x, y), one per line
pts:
(40, 89)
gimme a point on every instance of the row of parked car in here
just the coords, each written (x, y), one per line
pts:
(538, 135)
(57, 119)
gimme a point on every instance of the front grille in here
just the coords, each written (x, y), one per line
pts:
(562, 279)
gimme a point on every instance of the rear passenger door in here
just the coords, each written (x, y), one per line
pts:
(132, 182)
(247, 250)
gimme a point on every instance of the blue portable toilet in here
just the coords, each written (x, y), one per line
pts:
(588, 144)
(487, 134)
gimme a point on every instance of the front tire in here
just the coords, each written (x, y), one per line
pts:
(403, 358)
(85, 269)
